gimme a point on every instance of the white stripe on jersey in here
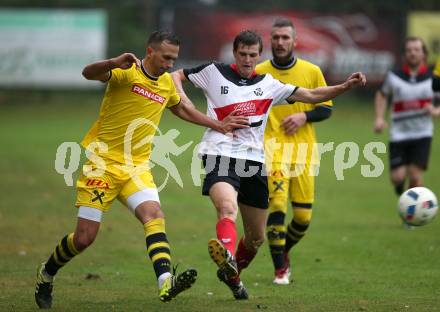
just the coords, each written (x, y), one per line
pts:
(226, 92)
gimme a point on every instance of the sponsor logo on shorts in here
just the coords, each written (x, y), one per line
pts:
(99, 196)
(97, 183)
(148, 94)
(278, 186)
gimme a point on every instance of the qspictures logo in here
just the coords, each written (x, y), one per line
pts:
(345, 157)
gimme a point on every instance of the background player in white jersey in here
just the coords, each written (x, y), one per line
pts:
(290, 126)
(236, 176)
(409, 90)
(136, 91)
(436, 77)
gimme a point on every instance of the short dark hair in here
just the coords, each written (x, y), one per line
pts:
(284, 22)
(248, 38)
(414, 38)
(159, 36)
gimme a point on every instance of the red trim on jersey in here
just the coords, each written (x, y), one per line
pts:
(248, 108)
(403, 106)
(235, 69)
(423, 69)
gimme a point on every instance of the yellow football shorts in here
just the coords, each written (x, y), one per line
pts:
(99, 189)
(292, 181)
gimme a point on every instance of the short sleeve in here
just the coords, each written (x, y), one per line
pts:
(121, 76)
(174, 96)
(199, 75)
(280, 91)
(386, 86)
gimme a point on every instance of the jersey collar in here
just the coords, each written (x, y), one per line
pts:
(289, 65)
(423, 69)
(146, 73)
(235, 69)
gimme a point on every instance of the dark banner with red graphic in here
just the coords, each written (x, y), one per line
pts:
(339, 44)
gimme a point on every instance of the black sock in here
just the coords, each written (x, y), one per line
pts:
(398, 188)
(63, 253)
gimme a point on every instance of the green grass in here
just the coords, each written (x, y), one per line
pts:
(355, 257)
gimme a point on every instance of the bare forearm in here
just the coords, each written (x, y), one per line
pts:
(198, 118)
(318, 95)
(379, 105)
(323, 94)
(99, 70)
(178, 77)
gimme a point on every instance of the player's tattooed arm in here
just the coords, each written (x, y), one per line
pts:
(101, 70)
(323, 94)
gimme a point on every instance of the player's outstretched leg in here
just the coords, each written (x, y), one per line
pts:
(223, 258)
(158, 249)
(227, 268)
(234, 284)
(174, 285)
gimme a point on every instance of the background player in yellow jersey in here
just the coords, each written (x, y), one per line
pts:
(120, 144)
(290, 127)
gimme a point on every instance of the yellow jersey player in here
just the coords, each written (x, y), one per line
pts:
(290, 144)
(119, 146)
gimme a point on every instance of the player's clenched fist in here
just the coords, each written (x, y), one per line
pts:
(125, 61)
(356, 79)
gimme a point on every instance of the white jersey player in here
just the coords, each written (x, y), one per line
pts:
(235, 174)
(411, 129)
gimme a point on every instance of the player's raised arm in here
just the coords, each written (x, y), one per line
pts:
(101, 70)
(187, 111)
(323, 94)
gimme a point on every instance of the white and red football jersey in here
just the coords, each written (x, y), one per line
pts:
(410, 96)
(226, 91)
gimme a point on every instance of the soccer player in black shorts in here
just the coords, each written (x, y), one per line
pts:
(234, 163)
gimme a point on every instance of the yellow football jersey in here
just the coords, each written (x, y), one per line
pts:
(130, 113)
(301, 74)
(437, 68)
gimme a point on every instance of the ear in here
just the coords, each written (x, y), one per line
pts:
(150, 51)
(295, 42)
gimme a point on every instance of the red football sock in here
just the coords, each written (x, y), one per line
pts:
(227, 234)
(244, 256)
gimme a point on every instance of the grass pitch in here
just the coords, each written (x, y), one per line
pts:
(355, 256)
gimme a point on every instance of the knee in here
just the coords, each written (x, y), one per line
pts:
(278, 204)
(415, 178)
(148, 211)
(83, 240)
(226, 209)
(155, 213)
(398, 176)
(302, 216)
